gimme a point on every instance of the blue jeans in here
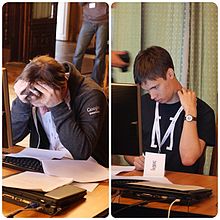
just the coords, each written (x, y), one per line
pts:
(87, 31)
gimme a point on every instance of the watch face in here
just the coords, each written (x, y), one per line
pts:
(189, 118)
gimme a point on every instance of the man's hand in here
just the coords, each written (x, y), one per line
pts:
(188, 101)
(139, 162)
(20, 87)
(49, 97)
(116, 60)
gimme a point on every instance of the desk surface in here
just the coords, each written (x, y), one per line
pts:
(96, 203)
(205, 207)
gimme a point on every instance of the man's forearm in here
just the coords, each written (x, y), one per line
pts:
(191, 147)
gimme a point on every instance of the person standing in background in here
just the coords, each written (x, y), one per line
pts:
(95, 22)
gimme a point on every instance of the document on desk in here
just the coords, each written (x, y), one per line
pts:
(80, 170)
(169, 186)
(35, 181)
(40, 154)
(88, 186)
(118, 169)
(148, 179)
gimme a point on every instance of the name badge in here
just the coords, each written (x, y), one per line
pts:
(92, 5)
(154, 164)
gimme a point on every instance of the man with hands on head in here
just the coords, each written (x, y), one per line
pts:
(174, 121)
(61, 109)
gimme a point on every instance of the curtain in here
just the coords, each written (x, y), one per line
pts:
(166, 25)
(203, 65)
(126, 35)
(203, 56)
(41, 10)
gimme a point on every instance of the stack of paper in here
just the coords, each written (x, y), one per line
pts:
(57, 172)
(35, 181)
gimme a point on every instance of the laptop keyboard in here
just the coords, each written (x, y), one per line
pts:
(23, 164)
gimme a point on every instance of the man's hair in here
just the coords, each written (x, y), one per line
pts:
(151, 64)
(44, 69)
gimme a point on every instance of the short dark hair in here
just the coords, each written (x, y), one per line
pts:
(44, 69)
(152, 63)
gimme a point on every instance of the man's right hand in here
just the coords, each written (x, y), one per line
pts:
(19, 87)
(116, 61)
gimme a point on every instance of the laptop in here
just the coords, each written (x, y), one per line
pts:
(153, 191)
(49, 202)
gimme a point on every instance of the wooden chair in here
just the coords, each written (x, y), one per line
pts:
(6, 114)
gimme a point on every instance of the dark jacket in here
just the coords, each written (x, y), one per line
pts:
(83, 129)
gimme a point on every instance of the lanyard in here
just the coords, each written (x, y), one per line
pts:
(169, 129)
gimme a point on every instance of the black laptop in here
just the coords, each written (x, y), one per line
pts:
(152, 191)
(49, 202)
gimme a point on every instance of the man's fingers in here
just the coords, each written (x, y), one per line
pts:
(35, 92)
(43, 88)
(138, 166)
(139, 163)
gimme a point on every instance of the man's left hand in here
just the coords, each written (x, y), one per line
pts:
(188, 101)
(50, 97)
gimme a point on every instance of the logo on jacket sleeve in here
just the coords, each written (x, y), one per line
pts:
(93, 110)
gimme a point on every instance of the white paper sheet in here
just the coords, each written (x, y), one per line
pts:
(40, 154)
(169, 186)
(79, 170)
(118, 169)
(88, 186)
(154, 164)
(35, 181)
(153, 179)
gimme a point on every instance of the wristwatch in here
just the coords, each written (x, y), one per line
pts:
(190, 118)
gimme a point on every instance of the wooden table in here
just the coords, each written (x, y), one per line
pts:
(95, 204)
(207, 207)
